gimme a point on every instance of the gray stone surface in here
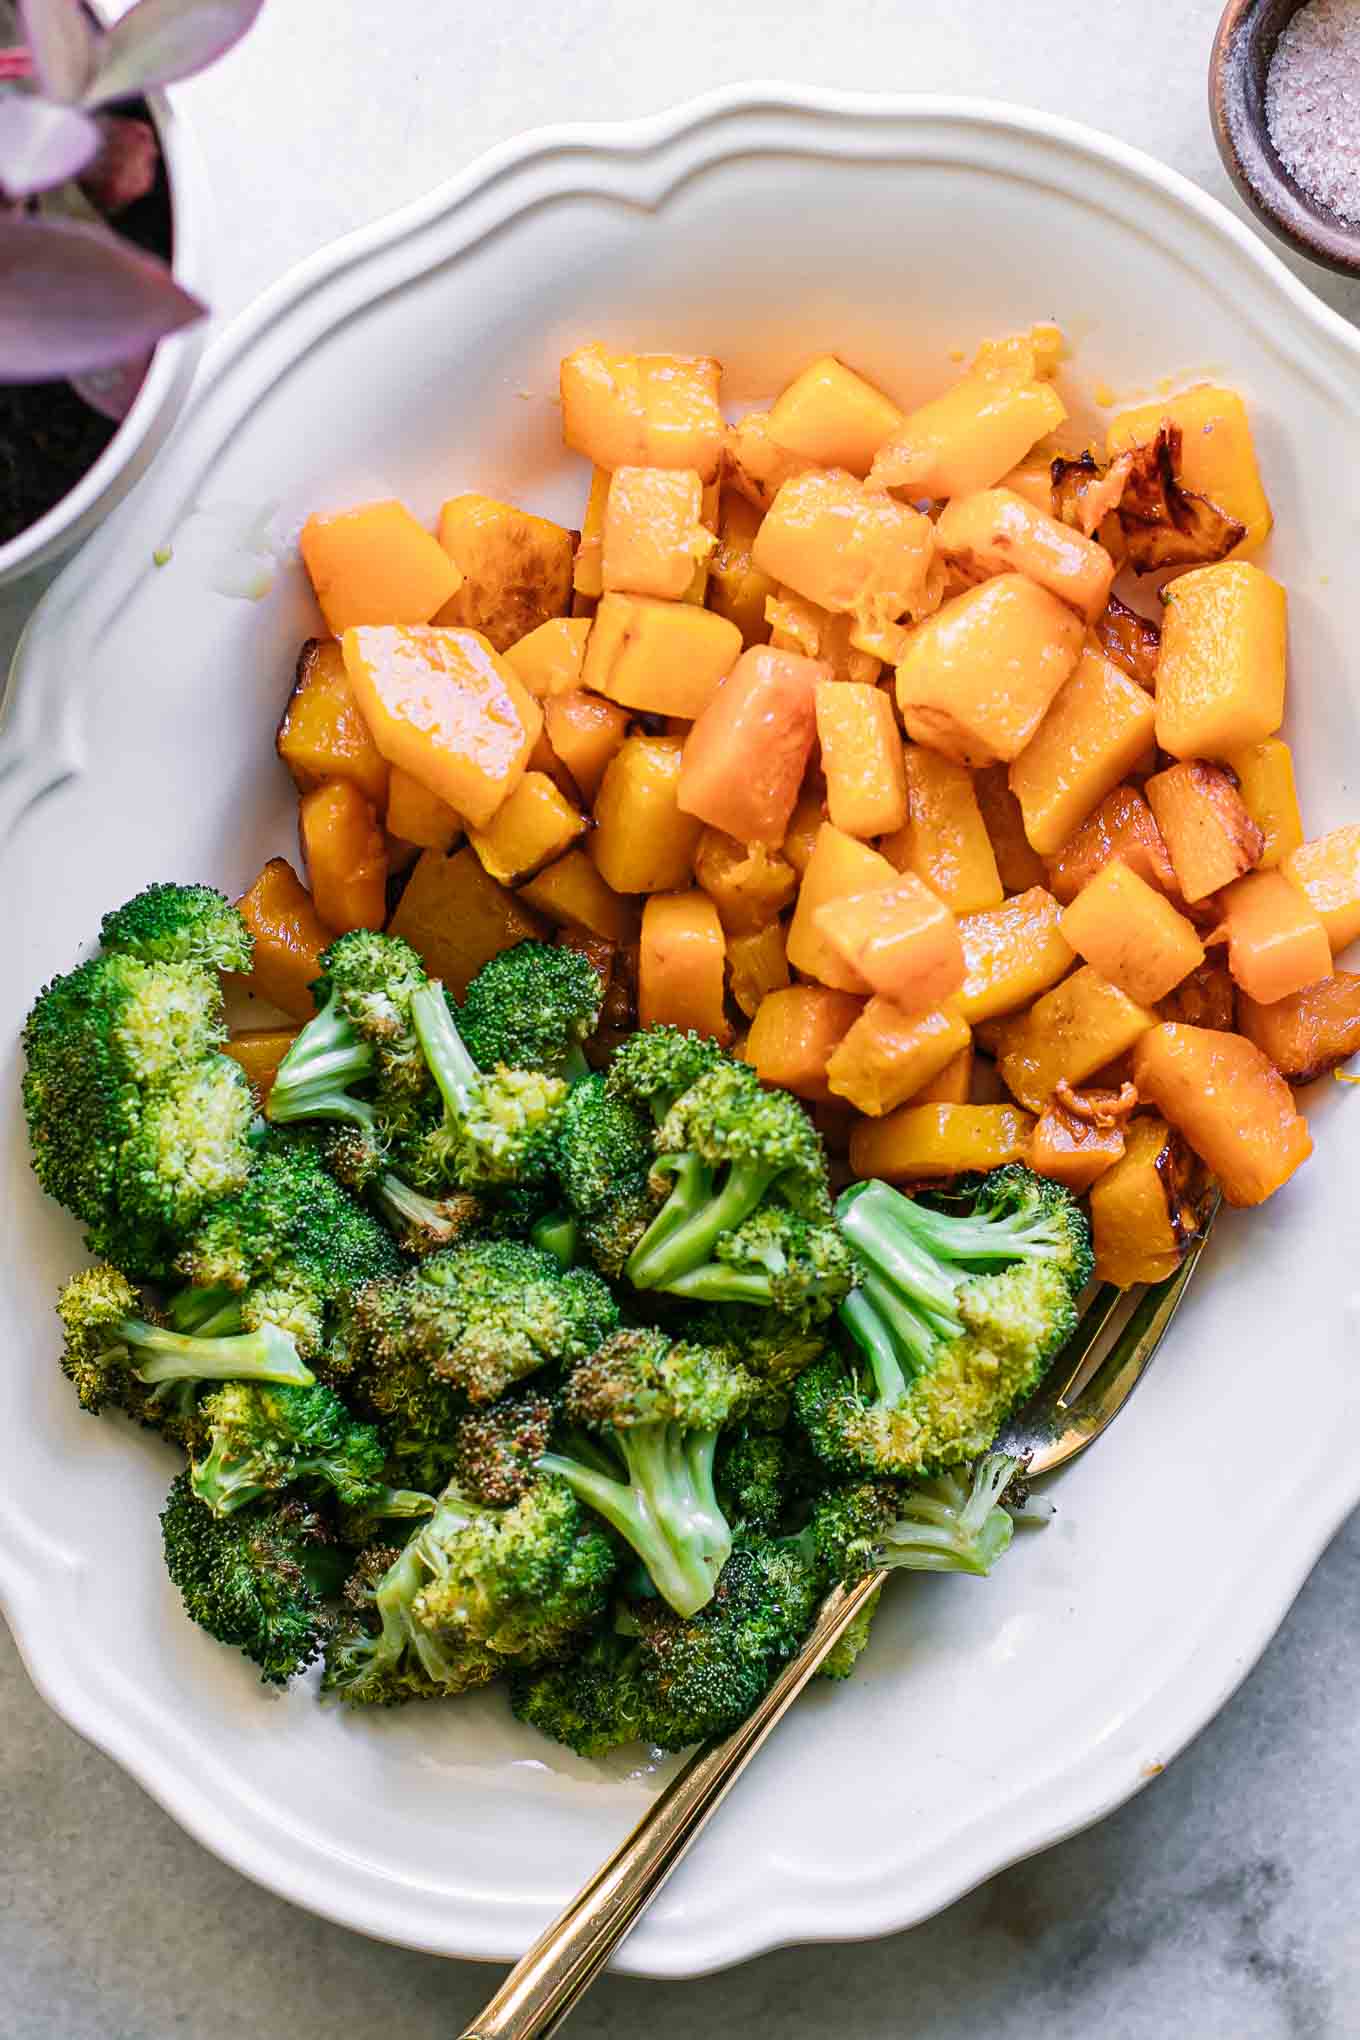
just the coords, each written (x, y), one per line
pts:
(1220, 1904)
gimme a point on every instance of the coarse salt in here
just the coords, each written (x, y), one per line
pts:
(1313, 103)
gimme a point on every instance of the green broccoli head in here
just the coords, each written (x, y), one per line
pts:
(362, 1040)
(602, 1159)
(496, 1129)
(259, 1580)
(260, 1439)
(753, 1477)
(191, 924)
(655, 1066)
(953, 1522)
(593, 1701)
(496, 1448)
(531, 1008)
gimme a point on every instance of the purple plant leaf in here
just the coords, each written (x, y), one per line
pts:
(113, 391)
(42, 144)
(61, 41)
(160, 40)
(75, 298)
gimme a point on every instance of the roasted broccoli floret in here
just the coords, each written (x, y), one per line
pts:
(116, 1359)
(474, 1591)
(362, 1035)
(496, 1449)
(422, 1224)
(652, 1068)
(260, 1440)
(531, 1008)
(496, 1128)
(753, 1477)
(648, 1415)
(953, 1522)
(956, 1318)
(259, 1580)
(180, 924)
(602, 1158)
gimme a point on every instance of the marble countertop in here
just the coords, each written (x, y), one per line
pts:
(1219, 1905)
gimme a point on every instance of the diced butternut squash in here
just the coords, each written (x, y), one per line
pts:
(1013, 953)
(444, 707)
(585, 731)
(889, 1055)
(415, 815)
(681, 965)
(746, 754)
(1032, 478)
(852, 550)
(1130, 641)
(1327, 872)
(944, 839)
(968, 438)
(1229, 1101)
(861, 745)
(1073, 1151)
(571, 894)
(1221, 669)
(587, 573)
(643, 410)
(805, 824)
(1210, 837)
(516, 568)
(1218, 460)
(260, 1050)
(839, 866)
(322, 734)
(289, 937)
(755, 464)
(1097, 729)
(705, 540)
(901, 939)
(653, 531)
(1067, 1035)
(1018, 864)
(345, 854)
(748, 883)
(665, 658)
(1132, 934)
(736, 587)
(920, 1142)
(794, 1033)
(832, 416)
(797, 625)
(953, 1085)
(1309, 1033)
(456, 917)
(376, 564)
(536, 825)
(1123, 827)
(1265, 780)
(756, 966)
(979, 676)
(1145, 1211)
(1276, 942)
(998, 532)
(643, 842)
(1207, 998)
(549, 659)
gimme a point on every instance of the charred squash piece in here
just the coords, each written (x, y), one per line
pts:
(1310, 1033)
(1147, 1210)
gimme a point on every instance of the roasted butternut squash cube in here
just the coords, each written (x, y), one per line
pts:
(1132, 934)
(757, 965)
(953, 1085)
(1310, 1032)
(587, 573)
(549, 659)
(585, 731)
(1210, 837)
(852, 550)
(755, 463)
(643, 842)
(736, 587)
(1145, 1211)
(797, 625)
(288, 936)
(1221, 668)
(682, 965)
(1130, 641)
(415, 815)
(456, 917)
(901, 939)
(1123, 827)
(1098, 727)
(1327, 872)
(889, 1055)
(997, 531)
(919, 1142)
(444, 707)
(571, 894)
(832, 416)
(665, 658)
(1265, 780)
(1230, 1102)
(1012, 953)
(1018, 864)
(747, 753)
(1276, 942)
(979, 676)
(968, 438)
(1073, 1151)
(345, 854)
(794, 1033)
(805, 823)
(861, 745)
(515, 567)
(838, 867)
(322, 734)
(944, 839)
(530, 829)
(1218, 459)
(643, 410)
(260, 1050)
(749, 883)
(376, 564)
(1032, 478)
(1067, 1035)
(654, 533)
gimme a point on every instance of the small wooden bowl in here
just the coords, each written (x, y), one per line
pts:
(1243, 48)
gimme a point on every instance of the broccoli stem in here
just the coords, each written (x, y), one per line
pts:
(684, 1232)
(667, 1510)
(205, 1312)
(945, 1527)
(422, 1221)
(454, 1071)
(264, 1355)
(313, 1078)
(559, 1234)
(881, 1229)
(575, 1069)
(965, 1237)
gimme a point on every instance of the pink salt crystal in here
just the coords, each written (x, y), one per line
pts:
(1313, 103)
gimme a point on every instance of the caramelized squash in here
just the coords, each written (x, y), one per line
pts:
(1310, 1032)
(757, 964)
(794, 1033)
(345, 854)
(1130, 641)
(654, 534)
(968, 438)
(1098, 727)
(663, 658)
(1218, 460)
(1276, 943)
(839, 866)
(900, 939)
(456, 917)
(1231, 1104)
(920, 1142)
(322, 733)
(832, 416)
(643, 842)
(415, 815)
(861, 746)
(1146, 1210)
(1123, 827)
(1265, 780)
(736, 587)
(536, 825)
(889, 1055)
(643, 410)
(571, 894)
(1018, 864)
(746, 755)
(584, 732)
(549, 659)
(1071, 1150)
(805, 823)
(979, 676)
(587, 572)
(376, 564)
(1221, 670)
(516, 568)
(1132, 934)
(797, 625)
(288, 936)
(755, 464)
(944, 839)
(681, 965)
(1209, 836)
(852, 550)
(1012, 953)
(1079, 1027)
(1327, 873)
(998, 532)
(748, 883)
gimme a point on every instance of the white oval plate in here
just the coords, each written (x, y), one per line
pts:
(763, 225)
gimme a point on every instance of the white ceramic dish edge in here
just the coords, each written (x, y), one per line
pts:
(39, 742)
